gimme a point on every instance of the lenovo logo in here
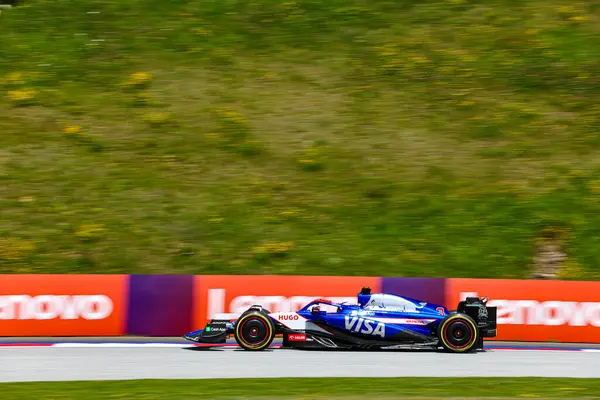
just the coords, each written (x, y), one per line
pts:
(218, 309)
(548, 313)
(48, 307)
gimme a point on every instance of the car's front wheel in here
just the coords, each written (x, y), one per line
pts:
(254, 331)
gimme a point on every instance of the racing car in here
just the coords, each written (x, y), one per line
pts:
(379, 321)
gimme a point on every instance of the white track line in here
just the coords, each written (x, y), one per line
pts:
(127, 345)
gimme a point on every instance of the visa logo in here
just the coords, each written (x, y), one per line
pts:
(361, 325)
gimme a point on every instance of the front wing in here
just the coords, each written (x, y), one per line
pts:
(216, 332)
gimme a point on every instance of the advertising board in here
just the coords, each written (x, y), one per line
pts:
(63, 305)
(534, 310)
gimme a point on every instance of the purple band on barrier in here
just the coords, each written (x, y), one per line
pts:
(160, 305)
(432, 290)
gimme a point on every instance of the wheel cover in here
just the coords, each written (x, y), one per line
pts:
(254, 331)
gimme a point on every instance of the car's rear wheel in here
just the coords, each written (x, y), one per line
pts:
(458, 333)
(254, 331)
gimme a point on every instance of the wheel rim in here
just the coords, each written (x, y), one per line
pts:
(254, 331)
(458, 334)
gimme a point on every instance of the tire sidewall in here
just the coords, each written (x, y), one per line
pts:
(258, 315)
(463, 318)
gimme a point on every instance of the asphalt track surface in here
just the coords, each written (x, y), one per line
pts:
(70, 359)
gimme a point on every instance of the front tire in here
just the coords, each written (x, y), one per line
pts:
(254, 331)
(458, 333)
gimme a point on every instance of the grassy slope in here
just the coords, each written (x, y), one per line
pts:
(291, 388)
(350, 137)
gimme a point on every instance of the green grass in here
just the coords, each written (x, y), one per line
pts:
(348, 137)
(307, 388)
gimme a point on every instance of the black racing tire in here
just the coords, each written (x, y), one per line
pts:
(257, 308)
(254, 330)
(458, 333)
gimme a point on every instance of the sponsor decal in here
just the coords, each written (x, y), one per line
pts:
(362, 313)
(364, 326)
(63, 305)
(441, 311)
(297, 337)
(393, 309)
(415, 321)
(527, 310)
(482, 313)
(47, 307)
(404, 321)
(288, 317)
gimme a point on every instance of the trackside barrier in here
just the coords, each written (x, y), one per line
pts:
(170, 305)
(555, 311)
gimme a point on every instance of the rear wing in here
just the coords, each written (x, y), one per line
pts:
(484, 316)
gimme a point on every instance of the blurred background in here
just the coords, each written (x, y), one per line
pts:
(442, 138)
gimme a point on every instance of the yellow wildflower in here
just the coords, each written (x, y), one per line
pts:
(595, 187)
(420, 60)
(566, 9)
(259, 250)
(139, 79)
(21, 95)
(72, 129)
(89, 230)
(15, 249)
(578, 18)
(15, 78)
(157, 118)
(277, 248)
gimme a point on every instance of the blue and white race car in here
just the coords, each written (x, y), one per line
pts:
(378, 321)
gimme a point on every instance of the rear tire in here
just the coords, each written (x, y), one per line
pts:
(254, 331)
(458, 333)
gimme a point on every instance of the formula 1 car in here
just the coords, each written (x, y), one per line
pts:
(379, 321)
